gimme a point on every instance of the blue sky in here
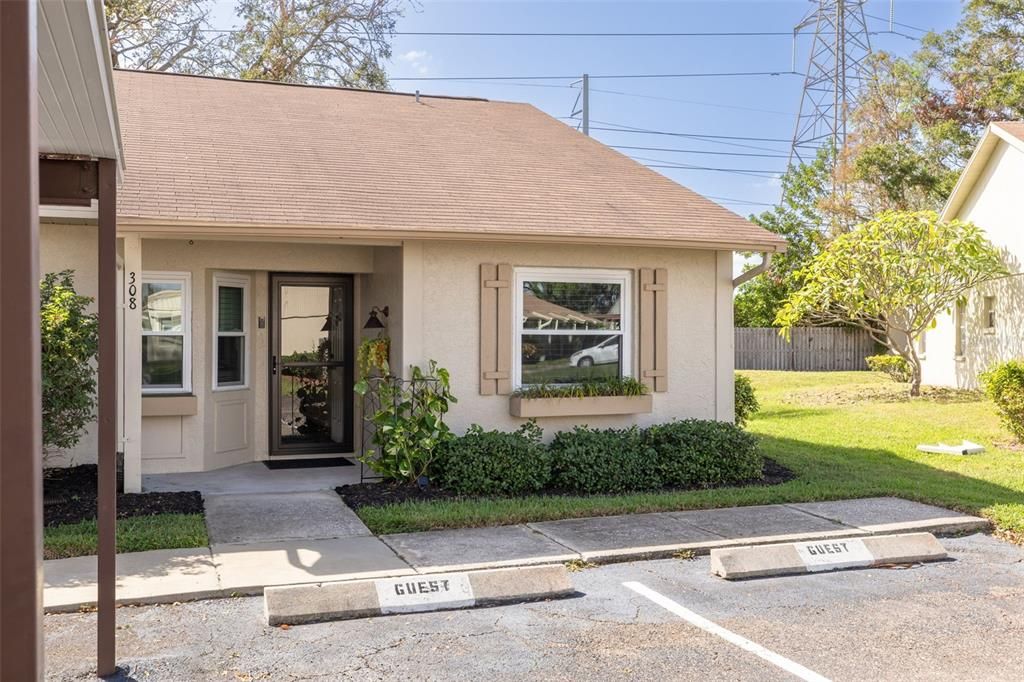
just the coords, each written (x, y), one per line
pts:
(761, 106)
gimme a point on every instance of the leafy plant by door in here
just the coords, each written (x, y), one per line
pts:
(409, 422)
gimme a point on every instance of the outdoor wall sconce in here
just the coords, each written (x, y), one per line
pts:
(374, 322)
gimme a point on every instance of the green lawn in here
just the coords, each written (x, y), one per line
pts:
(138, 534)
(845, 434)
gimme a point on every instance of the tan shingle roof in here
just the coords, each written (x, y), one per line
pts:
(233, 152)
(1015, 128)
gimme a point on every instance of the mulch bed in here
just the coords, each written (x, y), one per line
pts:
(381, 494)
(69, 496)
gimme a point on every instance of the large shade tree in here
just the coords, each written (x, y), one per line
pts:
(324, 42)
(892, 276)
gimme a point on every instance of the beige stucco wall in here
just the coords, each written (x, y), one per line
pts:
(996, 204)
(442, 284)
(431, 289)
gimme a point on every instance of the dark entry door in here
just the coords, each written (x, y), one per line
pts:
(311, 338)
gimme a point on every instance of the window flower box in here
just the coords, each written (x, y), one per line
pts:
(590, 406)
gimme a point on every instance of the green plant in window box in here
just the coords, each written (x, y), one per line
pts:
(588, 388)
(409, 424)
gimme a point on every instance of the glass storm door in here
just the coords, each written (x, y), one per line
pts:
(311, 364)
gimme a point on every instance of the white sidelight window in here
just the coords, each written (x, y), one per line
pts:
(571, 325)
(989, 313)
(230, 331)
(960, 325)
(166, 336)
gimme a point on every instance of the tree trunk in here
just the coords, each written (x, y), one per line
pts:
(915, 383)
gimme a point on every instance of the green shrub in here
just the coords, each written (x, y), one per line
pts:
(746, 401)
(494, 462)
(69, 345)
(704, 453)
(587, 460)
(585, 389)
(893, 366)
(1004, 385)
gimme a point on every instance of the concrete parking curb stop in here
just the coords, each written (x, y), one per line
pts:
(313, 603)
(738, 563)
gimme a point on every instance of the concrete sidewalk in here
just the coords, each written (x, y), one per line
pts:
(228, 569)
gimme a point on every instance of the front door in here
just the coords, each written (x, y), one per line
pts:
(311, 338)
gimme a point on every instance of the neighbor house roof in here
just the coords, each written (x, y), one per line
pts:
(1009, 132)
(234, 156)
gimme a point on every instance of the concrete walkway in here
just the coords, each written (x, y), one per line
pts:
(227, 569)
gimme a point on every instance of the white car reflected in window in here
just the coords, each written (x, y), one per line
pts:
(603, 353)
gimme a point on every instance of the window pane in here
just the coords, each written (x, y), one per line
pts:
(162, 361)
(571, 305)
(229, 309)
(230, 360)
(550, 359)
(162, 305)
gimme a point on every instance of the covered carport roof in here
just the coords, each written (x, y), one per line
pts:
(77, 110)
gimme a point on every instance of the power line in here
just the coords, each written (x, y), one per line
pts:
(896, 23)
(663, 163)
(690, 101)
(566, 34)
(643, 131)
(734, 171)
(697, 137)
(552, 34)
(720, 74)
(738, 201)
(697, 151)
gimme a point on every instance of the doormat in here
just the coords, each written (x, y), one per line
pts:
(308, 463)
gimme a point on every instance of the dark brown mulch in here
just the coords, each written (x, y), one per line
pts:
(381, 494)
(69, 496)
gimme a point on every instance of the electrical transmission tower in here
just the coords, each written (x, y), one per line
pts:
(836, 70)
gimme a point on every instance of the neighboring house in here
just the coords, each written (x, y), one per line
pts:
(987, 326)
(260, 224)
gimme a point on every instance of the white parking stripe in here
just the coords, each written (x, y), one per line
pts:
(731, 637)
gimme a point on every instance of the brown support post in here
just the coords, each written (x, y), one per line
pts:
(21, 466)
(107, 408)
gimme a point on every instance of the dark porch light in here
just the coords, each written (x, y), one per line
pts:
(374, 322)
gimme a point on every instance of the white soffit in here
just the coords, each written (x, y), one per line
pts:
(77, 110)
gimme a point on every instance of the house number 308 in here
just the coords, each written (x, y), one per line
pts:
(133, 290)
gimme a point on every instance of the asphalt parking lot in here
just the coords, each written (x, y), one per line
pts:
(962, 619)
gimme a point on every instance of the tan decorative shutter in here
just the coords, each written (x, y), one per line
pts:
(495, 329)
(654, 328)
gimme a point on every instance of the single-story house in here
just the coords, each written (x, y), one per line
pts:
(986, 326)
(263, 226)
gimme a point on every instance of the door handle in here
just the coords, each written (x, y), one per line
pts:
(273, 365)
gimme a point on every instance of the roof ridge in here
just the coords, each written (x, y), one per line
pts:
(342, 88)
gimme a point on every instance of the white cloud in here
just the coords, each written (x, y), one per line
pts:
(418, 59)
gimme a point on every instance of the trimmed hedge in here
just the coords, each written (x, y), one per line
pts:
(745, 401)
(893, 366)
(696, 453)
(685, 454)
(588, 460)
(494, 462)
(1004, 385)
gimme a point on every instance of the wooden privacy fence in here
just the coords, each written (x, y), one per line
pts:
(812, 349)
